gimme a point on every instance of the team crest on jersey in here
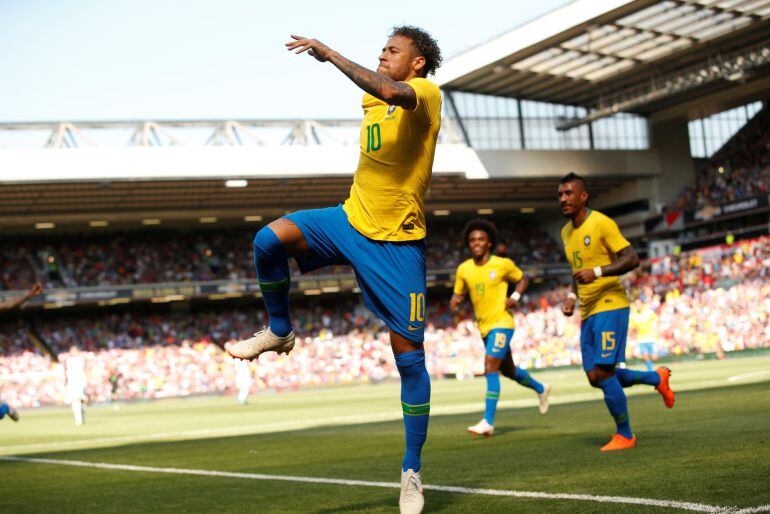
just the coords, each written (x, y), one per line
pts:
(492, 275)
(391, 109)
(587, 240)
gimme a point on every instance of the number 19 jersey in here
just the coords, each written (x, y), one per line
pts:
(488, 288)
(396, 160)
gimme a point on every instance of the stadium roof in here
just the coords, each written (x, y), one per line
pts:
(619, 55)
(157, 170)
(22, 206)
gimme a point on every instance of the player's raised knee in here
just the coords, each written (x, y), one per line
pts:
(265, 241)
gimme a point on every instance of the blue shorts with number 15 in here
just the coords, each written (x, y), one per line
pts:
(603, 338)
(391, 275)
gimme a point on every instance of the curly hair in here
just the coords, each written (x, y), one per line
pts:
(485, 226)
(425, 45)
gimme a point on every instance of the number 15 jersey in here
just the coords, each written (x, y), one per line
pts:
(595, 243)
(387, 199)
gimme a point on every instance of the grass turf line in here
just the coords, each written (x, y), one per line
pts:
(712, 448)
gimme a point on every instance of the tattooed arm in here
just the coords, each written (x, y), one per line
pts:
(377, 85)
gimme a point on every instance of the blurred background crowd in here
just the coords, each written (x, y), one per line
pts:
(714, 300)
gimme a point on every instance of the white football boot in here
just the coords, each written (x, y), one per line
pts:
(543, 397)
(13, 413)
(482, 428)
(412, 499)
(263, 341)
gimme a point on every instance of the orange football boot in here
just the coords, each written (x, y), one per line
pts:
(619, 442)
(663, 388)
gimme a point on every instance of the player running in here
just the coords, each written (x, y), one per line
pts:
(380, 228)
(8, 305)
(598, 254)
(644, 323)
(76, 383)
(486, 277)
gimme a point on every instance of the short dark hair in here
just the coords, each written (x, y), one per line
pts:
(484, 226)
(574, 177)
(425, 45)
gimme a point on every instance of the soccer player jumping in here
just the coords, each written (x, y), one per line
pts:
(486, 277)
(598, 254)
(379, 230)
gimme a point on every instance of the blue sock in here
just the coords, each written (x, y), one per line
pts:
(629, 377)
(649, 365)
(522, 377)
(493, 394)
(615, 399)
(3, 410)
(274, 281)
(415, 402)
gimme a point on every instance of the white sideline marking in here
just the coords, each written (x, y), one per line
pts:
(352, 419)
(747, 376)
(750, 510)
(698, 507)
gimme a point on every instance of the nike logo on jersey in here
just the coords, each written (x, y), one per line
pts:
(412, 329)
(605, 355)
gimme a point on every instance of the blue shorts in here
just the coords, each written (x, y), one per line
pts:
(391, 275)
(603, 338)
(498, 341)
(646, 348)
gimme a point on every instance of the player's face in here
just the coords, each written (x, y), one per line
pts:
(572, 198)
(479, 243)
(397, 59)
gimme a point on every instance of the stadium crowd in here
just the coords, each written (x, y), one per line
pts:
(713, 300)
(741, 169)
(157, 256)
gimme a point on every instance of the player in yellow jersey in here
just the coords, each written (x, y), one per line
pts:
(485, 278)
(598, 254)
(644, 326)
(379, 230)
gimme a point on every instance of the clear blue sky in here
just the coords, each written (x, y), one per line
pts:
(165, 59)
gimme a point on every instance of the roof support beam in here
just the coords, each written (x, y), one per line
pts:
(459, 119)
(730, 67)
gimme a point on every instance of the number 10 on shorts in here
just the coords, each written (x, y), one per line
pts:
(417, 310)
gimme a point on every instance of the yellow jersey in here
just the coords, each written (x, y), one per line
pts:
(488, 287)
(645, 323)
(595, 243)
(394, 167)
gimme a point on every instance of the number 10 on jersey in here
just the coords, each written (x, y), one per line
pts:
(373, 137)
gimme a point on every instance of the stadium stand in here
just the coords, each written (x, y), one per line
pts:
(740, 169)
(710, 301)
(163, 256)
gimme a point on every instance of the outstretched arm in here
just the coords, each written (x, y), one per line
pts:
(626, 261)
(377, 85)
(12, 303)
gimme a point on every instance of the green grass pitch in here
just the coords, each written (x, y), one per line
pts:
(713, 448)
